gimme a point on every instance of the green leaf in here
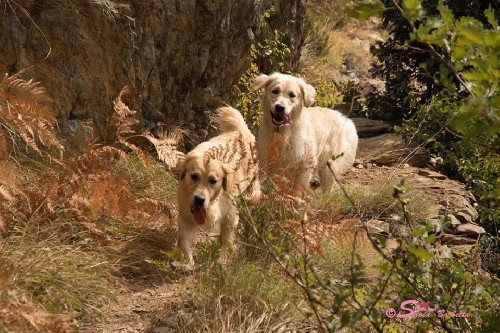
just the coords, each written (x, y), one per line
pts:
(492, 38)
(447, 15)
(459, 123)
(358, 314)
(445, 77)
(419, 231)
(363, 10)
(431, 239)
(420, 252)
(472, 31)
(346, 316)
(490, 15)
(413, 9)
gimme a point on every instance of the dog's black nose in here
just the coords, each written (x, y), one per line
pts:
(199, 200)
(314, 184)
(279, 108)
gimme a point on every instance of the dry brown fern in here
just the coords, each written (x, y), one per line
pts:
(124, 121)
(167, 147)
(82, 189)
(55, 196)
(29, 319)
(6, 200)
(4, 145)
(335, 230)
(10, 190)
(93, 163)
(24, 112)
(231, 153)
(286, 178)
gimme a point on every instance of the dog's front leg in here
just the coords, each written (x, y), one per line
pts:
(186, 234)
(307, 171)
(228, 227)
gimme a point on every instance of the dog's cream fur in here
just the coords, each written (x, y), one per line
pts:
(217, 170)
(323, 140)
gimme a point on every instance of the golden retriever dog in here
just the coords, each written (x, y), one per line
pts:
(212, 175)
(322, 141)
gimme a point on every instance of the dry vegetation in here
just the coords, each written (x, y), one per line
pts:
(69, 226)
(336, 56)
(76, 229)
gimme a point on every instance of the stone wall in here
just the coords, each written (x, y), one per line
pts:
(181, 56)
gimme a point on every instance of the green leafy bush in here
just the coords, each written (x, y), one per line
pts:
(365, 292)
(270, 53)
(327, 94)
(442, 72)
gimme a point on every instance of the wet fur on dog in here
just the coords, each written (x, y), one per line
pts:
(320, 140)
(212, 175)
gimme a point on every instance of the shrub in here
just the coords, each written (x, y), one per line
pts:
(364, 292)
(270, 53)
(57, 216)
(442, 80)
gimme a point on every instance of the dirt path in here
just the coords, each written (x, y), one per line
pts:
(143, 302)
(136, 308)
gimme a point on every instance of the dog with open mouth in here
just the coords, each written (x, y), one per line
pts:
(318, 140)
(212, 175)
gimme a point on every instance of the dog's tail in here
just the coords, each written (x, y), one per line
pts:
(231, 119)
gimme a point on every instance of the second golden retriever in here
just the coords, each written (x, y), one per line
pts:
(212, 175)
(319, 140)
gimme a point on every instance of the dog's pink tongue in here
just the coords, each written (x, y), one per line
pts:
(200, 215)
(287, 120)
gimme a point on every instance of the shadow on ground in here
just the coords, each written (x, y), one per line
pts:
(147, 258)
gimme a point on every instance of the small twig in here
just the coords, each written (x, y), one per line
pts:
(434, 51)
(36, 25)
(385, 256)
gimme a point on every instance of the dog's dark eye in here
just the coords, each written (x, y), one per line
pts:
(275, 91)
(292, 95)
(212, 181)
(195, 177)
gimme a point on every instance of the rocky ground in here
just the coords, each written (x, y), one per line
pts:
(382, 155)
(153, 305)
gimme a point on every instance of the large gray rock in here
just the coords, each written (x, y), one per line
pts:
(391, 150)
(368, 128)
(181, 56)
(468, 230)
(448, 239)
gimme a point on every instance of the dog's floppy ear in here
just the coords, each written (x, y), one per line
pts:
(261, 82)
(181, 165)
(308, 92)
(227, 170)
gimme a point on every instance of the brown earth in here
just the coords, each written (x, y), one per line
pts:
(149, 305)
